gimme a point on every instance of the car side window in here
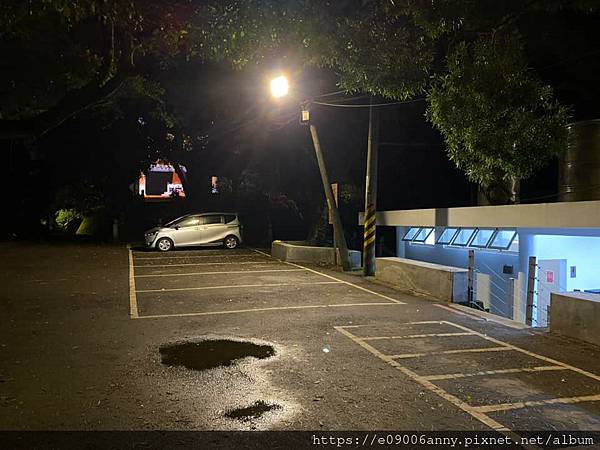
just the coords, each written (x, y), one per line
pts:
(207, 220)
(229, 218)
(189, 222)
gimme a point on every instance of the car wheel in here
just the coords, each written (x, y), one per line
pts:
(231, 242)
(164, 244)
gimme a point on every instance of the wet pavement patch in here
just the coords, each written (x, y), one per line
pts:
(252, 412)
(208, 354)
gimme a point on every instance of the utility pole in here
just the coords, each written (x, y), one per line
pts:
(370, 221)
(338, 230)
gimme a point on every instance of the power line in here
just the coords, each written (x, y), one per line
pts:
(329, 94)
(374, 105)
(558, 194)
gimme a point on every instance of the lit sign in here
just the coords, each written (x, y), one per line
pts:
(161, 182)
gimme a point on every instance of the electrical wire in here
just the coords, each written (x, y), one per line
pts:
(329, 94)
(558, 194)
(374, 105)
(347, 99)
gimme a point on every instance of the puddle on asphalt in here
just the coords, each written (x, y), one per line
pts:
(252, 412)
(211, 353)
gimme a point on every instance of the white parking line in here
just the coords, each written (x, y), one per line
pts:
(207, 264)
(479, 412)
(216, 273)
(204, 251)
(552, 401)
(202, 288)
(527, 352)
(274, 308)
(133, 308)
(157, 258)
(451, 352)
(414, 336)
(267, 260)
(429, 385)
(452, 376)
(337, 279)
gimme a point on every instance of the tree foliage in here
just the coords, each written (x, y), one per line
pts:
(341, 35)
(65, 56)
(82, 53)
(497, 118)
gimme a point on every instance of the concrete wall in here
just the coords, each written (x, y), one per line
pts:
(433, 280)
(576, 315)
(499, 295)
(297, 251)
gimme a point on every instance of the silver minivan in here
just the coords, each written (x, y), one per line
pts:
(195, 230)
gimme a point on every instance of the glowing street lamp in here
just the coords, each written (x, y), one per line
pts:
(280, 86)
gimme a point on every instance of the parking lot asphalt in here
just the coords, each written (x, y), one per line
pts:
(85, 329)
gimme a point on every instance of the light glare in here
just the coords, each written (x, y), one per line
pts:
(279, 86)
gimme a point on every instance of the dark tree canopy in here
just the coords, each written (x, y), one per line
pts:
(499, 119)
(67, 56)
(64, 56)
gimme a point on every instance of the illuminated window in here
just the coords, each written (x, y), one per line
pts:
(463, 237)
(423, 235)
(482, 238)
(411, 233)
(431, 238)
(161, 182)
(447, 236)
(503, 239)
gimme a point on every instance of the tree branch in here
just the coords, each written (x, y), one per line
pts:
(69, 106)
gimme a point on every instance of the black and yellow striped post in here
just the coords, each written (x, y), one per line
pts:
(370, 223)
(369, 242)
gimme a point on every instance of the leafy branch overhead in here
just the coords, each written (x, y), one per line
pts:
(64, 57)
(497, 118)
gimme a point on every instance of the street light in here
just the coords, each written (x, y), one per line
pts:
(280, 86)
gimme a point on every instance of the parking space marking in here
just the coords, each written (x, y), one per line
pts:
(488, 317)
(497, 426)
(264, 260)
(337, 279)
(204, 288)
(527, 352)
(478, 412)
(552, 401)
(215, 273)
(415, 336)
(451, 352)
(216, 250)
(133, 308)
(236, 255)
(451, 376)
(251, 310)
(207, 264)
